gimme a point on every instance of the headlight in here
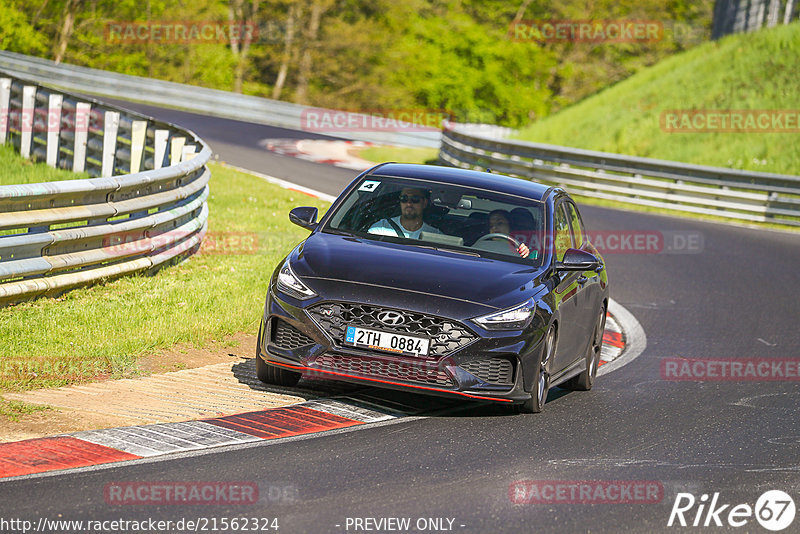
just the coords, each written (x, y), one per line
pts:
(291, 285)
(515, 318)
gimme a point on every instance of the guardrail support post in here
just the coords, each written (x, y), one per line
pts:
(176, 150)
(138, 133)
(81, 124)
(110, 129)
(189, 152)
(26, 120)
(160, 148)
(54, 128)
(5, 104)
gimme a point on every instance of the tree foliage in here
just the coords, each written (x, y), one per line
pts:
(444, 55)
(17, 34)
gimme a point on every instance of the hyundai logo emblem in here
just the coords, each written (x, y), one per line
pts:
(391, 318)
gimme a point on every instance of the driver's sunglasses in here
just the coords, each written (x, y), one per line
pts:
(414, 199)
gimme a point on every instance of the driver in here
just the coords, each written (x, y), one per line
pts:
(409, 223)
(499, 224)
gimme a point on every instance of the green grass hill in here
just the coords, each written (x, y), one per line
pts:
(752, 71)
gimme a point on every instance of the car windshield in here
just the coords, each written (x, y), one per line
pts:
(443, 216)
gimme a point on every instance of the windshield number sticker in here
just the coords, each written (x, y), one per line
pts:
(369, 185)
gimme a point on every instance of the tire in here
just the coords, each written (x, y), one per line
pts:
(585, 380)
(542, 378)
(269, 374)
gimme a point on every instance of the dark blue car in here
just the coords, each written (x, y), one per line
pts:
(442, 281)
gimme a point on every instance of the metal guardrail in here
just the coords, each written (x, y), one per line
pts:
(735, 194)
(146, 208)
(201, 100)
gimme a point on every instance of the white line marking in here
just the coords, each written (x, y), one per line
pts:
(283, 183)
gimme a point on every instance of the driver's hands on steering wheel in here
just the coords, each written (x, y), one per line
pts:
(522, 249)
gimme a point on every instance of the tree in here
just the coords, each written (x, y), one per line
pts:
(67, 25)
(311, 33)
(243, 16)
(289, 54)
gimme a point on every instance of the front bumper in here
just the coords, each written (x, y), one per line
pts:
(319, 355)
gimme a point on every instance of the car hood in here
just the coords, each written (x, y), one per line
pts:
(488, 282)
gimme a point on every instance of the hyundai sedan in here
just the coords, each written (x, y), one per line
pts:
(440, 281)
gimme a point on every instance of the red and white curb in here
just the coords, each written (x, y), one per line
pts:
(624, 339)
(97, 447)
(613, 341)
(320, 151)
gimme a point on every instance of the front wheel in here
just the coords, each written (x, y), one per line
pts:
(269, 374)
(542, 378)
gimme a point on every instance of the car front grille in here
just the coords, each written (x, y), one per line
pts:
(446, 336)
(288, 337)
(494, 370)
(413, 371)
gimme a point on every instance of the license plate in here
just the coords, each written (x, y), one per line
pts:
(397, 343)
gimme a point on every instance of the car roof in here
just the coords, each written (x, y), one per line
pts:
(468, 178)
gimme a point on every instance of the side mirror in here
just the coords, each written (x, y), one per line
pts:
(304, 216)
(578, 260)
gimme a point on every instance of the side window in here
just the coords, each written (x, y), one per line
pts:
(563, 242)
(575, 221)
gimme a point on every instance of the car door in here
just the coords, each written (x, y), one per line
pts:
(589, 291)
(570, 330)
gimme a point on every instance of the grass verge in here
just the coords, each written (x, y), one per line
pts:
(13, 410)
(100, 331)
(379, 154)
(18, 170)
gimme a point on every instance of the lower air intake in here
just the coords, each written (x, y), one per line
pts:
(494, 370)
(419, 372)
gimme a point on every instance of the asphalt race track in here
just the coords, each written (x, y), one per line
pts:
(736, 297)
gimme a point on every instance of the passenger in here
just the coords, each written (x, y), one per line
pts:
(409, 223)
(499, 224)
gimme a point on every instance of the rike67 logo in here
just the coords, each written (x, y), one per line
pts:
(774, 510)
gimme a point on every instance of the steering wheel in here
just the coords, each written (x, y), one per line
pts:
(504, 236)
